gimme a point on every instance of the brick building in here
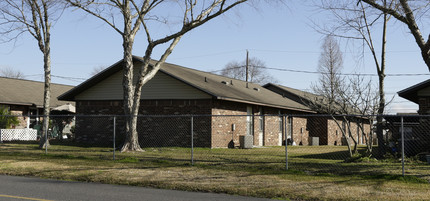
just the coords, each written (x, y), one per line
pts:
(25, 97)
(176, 90)
(328, 130)
(416, 128)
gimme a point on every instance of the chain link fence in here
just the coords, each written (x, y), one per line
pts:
(314, 144)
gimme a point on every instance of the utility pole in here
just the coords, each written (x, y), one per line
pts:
(247, 68)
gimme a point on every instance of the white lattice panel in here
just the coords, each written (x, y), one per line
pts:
(18, 134)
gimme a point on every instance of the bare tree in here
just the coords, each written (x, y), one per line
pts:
(256, 71)
(355, 104)
(145, 14)
(330, 66)
(330, 84)
(346, 101)
(359, 98)
(34, 17)
(11, 73)
(406, 12)
(357, 22)
(97, 70)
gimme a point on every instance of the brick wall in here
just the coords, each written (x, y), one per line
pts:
(153, 131)
(19, 110)
(424, 105)
(223, 134)
(273, 129)
(300, 132)
(271, 132)
(334, 132)
(335, 136)
(216, 131)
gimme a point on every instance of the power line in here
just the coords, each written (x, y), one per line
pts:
(315, 72)
(75, 79)
(319, 52)
(283, 51)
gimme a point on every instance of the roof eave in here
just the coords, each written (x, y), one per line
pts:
(264, 104)
(17, 103)
(410, 93)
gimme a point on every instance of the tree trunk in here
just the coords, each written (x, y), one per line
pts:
(131, 140)
(367, 137)
(44, 142)
(131, 107)
(348, 124)
(381, 107)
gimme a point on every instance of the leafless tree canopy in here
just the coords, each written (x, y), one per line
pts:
(127, 17)
(256, 71)
(414, 14)
(11, 73)
(34, 17)
(336, 95)
(359, 22)
(333, 95)
(97, 70)
(21, 16)
(330, 66)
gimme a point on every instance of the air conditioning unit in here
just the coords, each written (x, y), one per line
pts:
(246, 141)
(315, 141)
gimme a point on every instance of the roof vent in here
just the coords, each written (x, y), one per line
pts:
(224, 82)
(256, 89)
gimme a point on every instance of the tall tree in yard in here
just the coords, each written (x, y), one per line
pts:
(358, 22)
(345, 100)
(330, 66)
(145, 14)
(34, 17)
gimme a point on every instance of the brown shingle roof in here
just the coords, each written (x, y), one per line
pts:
(225, 88)
(27, 92)
(307, 98)
(219, 87)
(297, 95)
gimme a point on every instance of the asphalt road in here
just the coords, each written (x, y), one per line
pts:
(24, 188)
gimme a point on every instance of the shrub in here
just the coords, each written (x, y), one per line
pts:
(6, 120)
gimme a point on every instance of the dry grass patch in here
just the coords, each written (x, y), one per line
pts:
(166, 168)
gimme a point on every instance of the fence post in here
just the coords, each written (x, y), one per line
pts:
(192, 140)
(285, 129)
(403, 147)
(114, 130)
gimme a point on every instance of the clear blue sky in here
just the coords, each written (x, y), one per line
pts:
(280, 36)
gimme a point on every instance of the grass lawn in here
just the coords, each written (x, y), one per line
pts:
(315, 173)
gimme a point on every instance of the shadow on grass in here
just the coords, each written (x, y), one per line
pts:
(333, 155)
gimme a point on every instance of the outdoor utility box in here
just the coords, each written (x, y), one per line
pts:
(246, 141)
(315, 141)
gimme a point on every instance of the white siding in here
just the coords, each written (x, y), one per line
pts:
(162, 86)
